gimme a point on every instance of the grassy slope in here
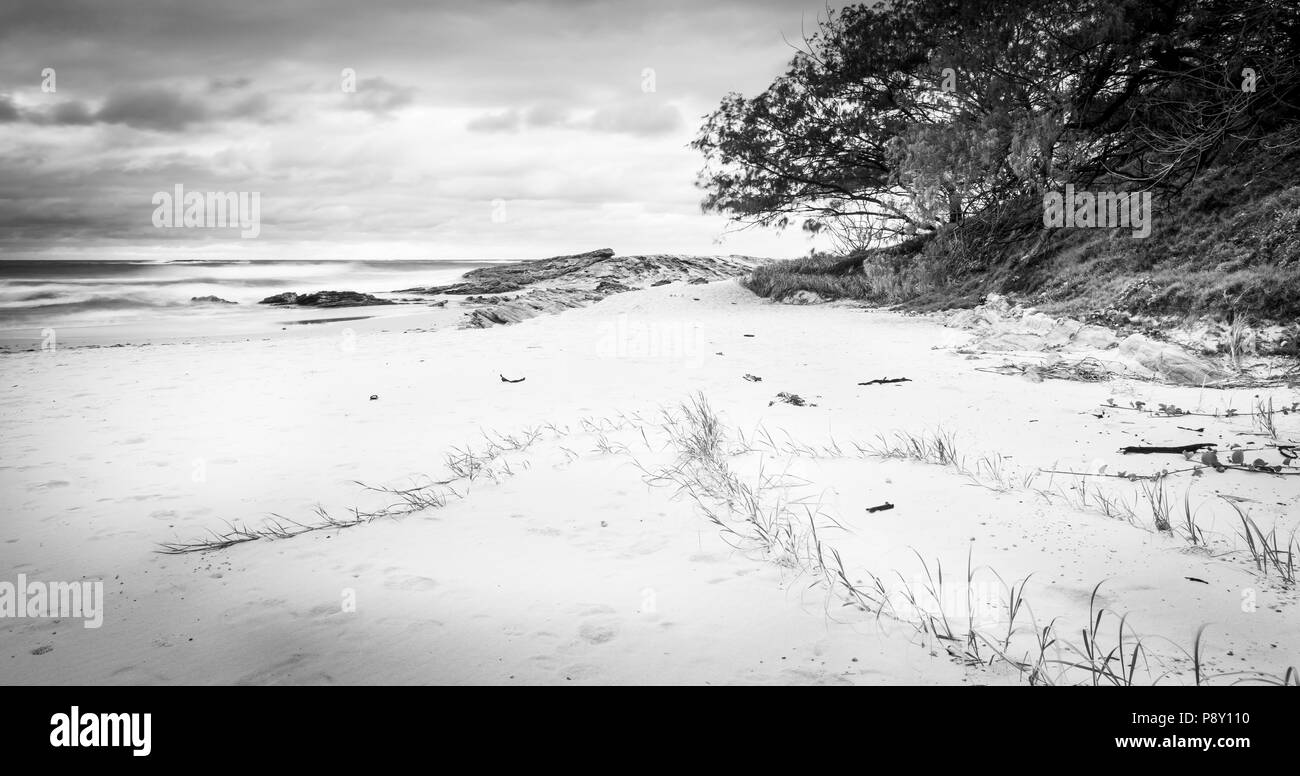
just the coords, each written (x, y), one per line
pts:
(1229, 244)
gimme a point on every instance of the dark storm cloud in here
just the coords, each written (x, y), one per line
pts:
(152, 109)
(72, 113)
(156, 109)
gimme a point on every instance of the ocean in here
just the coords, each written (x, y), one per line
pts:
(53, 294)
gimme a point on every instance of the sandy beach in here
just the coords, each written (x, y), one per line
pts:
(574, 537)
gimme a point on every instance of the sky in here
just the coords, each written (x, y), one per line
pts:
(487, 129)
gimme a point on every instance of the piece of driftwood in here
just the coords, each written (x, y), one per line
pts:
(881, 508)
(505, 379)
(884, 380)
(1176, 449)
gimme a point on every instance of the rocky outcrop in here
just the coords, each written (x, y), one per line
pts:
(593, 266)
(515, 277)
(326, 299)
(564, 282)
(529, 305)
(210, 300)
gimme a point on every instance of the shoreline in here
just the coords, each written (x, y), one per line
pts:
(539, 286)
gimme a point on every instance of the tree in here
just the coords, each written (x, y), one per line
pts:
(861, 136)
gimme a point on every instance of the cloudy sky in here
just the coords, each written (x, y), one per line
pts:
(490, 129)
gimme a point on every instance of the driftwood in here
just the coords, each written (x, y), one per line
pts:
(884, 380)
(1176, 449)
(505, 379)
(881, 508)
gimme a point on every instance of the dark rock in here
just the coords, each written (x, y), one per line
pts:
(476, 288)
(214, 299)
(608, 286)
(326, 299)
(660, 283)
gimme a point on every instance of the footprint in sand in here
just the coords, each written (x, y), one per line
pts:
(325, 610)
(600, 625)
(598, 632)
(410, 582)
(578, 672)
(545, 662)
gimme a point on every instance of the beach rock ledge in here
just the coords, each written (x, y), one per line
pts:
(510, 293)
(326, 299)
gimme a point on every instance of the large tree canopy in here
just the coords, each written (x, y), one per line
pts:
(897, 118)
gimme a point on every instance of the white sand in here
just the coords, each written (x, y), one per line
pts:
(574, 568)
